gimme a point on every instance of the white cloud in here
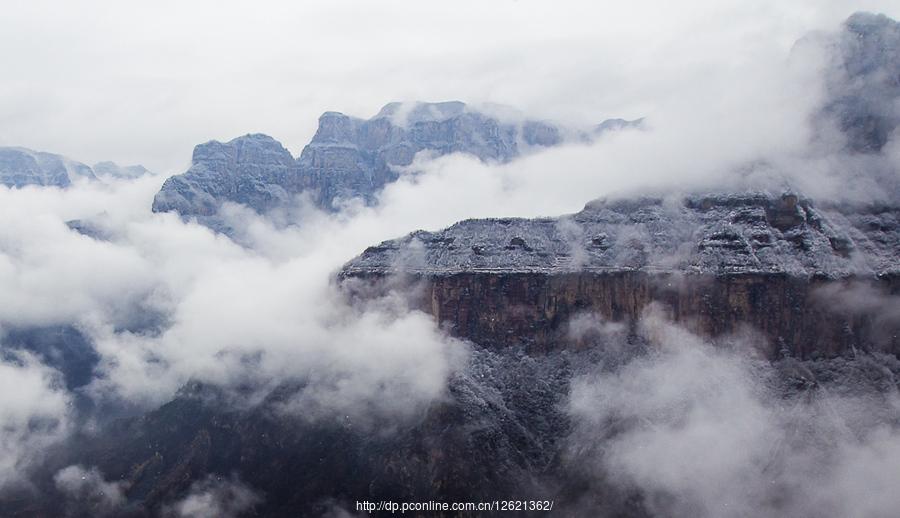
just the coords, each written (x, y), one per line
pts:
(34, 413)
(703, 431)
(86, 489)
(215, 497)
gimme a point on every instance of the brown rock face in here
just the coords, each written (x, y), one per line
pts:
(805, 318)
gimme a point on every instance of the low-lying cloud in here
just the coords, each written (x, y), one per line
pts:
(87, 491)
(699, 430)
(35, 412)
(215, 497)
(166, 302)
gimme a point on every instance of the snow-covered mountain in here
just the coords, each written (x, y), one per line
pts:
(20, 167)
(350, 157)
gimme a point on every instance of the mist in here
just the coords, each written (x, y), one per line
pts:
(730, 99)
(706, 429)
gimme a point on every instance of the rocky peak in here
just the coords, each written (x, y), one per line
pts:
(617, 124)
(863, 83)
(716, 233)
(114, 170)
(876, 38)
(253, 169)
(20, 167)
(347, 158)
(335, 128)
(248, 149)
(406, 114)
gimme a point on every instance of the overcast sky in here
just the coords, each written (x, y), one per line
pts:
(146, 81)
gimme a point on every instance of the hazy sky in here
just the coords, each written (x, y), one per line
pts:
(146, 81)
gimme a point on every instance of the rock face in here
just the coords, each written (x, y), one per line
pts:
(20, 167)
(347, 158)
(114, 170)
(310, 466)
(618, 124)
(716, 263)
(864, 82)
(62, 347)
(253, 169)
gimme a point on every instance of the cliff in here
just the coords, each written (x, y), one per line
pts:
(862, 84)
(719, 264)
(20, 167)
(349, 157)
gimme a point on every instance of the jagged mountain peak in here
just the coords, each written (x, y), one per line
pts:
(21, 166)
(114, 170)
(406, 113)
(733, 233)
(240, 147)
(865, 22)
(862, 84)
(347, 158)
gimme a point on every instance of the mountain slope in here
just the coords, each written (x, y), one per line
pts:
(863, 83)
(20, 167)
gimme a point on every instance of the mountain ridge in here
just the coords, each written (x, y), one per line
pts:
(718, 263)
(20, 167)
(349, 157)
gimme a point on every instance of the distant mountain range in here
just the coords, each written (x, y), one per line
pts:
(863, 82)
(350, 158)
(20, 167)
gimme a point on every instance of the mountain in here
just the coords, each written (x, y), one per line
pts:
(20, 167)
(253, 170)
(502, 431)
(786, 306)
(515, 288)
(64, 348)
(347, 157)
(114, 170)
(715, 262)
(617, 124)
(863, 81)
